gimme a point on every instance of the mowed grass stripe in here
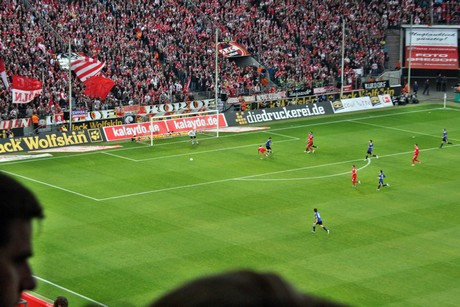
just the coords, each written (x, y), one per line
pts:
(383, 249)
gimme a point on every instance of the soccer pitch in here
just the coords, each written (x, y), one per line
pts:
(124, 226)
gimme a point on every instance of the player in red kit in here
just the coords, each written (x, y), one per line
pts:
(354, 177)
(310, 146)
(415, 156)
(262, 150)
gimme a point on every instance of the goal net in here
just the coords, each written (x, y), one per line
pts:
(205, 123)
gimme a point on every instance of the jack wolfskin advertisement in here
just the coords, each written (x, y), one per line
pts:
(50, 140)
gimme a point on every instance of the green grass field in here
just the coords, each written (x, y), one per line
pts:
(125, 225)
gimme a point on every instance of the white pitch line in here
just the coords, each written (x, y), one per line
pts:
(49, 185)
(249, 178)
(349, 161)
(425, 149)
(295, 169)
(282, 135)
(233, 179)
(166, 189)
(393, 128)
(224, 180)
(69, 291)
(232, 135)
(450, 109)
(359, 118)
(403, 130)
(118, 156)
(208, 151)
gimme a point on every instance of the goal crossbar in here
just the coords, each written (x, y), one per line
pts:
(179, 124)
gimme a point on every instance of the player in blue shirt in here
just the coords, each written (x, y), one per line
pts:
(445, 140)
(381, 184)
(318, 221)
(268, 146)
(370, 149)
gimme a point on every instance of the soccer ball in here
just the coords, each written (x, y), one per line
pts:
(191, 159)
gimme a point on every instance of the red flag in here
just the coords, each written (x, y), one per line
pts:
(2, 65)
(25, 89)
(187, 85)
(98, 87)
(3, 73)
(86, 67)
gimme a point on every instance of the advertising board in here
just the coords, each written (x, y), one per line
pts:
(432, 48)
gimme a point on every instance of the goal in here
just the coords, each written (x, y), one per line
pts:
(206, 123)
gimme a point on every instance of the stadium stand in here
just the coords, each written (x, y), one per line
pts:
(161, 51)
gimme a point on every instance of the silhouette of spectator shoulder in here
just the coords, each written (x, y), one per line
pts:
(243, 288)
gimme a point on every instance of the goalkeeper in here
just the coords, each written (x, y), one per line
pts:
(192, 135)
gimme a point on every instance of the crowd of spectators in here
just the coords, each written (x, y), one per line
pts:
(160, 51)
(422, 12)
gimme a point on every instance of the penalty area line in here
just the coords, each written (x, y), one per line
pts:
(118, 156)
(251, 178)
(282, 135)
(238, 178)
(396, 129)
(209, 151)
(166, 189)
(49, 185)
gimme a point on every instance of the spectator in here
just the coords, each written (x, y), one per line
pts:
(239, 289)
(439, 82)
(415, 88)
(35, 121)
(406, 89)
(149, 47)
(443, 83)
(18, 208)
(61, 301)
(426, 87)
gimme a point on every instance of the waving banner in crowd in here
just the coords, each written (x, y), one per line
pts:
(3, 73)
(86, 67)
(25, 89)
(83, 66)
(432, 48)
(98, 87)
(232, 49)
(65, 59)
